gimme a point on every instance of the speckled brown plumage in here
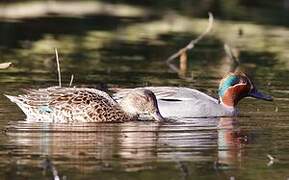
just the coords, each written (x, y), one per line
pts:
(68, 105)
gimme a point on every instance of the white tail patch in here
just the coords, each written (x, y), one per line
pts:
(24, 107)
(12, 98)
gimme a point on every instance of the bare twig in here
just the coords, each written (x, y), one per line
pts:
(194, 41)
(233, 57)
(184, 169)
(183, 62)
(58, 67)
(49, 166)
(173, 67)
(71, 80)
(5, 65)
(272, 160)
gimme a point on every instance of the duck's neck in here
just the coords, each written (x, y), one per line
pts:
(228, 103)
(230, 99)
(234, 94)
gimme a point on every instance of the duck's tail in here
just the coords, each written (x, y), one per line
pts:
(20, 103)
(14, 99)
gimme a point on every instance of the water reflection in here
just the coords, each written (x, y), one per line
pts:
(231, 143)
(90, 146)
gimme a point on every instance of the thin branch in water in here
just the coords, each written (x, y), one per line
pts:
(173, 67)
(71, 80)
(49, 166)
(183, 64)
(210, 25)
(194, 41)
(233, 57)
(58, 67)
(271, 158)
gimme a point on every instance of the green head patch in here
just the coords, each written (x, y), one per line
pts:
(228, 82)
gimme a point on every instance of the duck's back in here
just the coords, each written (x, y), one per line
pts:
(186, 102)
(69, 105)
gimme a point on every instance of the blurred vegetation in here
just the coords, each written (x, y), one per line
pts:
(111, 40)
(260, 11)
(228, 9)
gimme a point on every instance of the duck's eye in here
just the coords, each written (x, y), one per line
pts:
(241, 81)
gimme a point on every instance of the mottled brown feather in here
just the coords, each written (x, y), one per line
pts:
(76, 104)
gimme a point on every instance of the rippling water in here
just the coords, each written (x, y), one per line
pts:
(116, 50)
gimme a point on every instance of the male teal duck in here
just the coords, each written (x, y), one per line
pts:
(186, 102)
(76, 105)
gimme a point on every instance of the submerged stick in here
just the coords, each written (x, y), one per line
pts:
(58, 67)
(48, 166)
(194, 41)
(183, 64)
(233, 57)
(71, 80)
(272, 160)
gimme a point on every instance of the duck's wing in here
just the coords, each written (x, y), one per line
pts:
(58, 95)
(179, 94)
(80, 104)
(168, 94)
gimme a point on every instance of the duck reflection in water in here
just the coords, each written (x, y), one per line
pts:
(86, 146)
(231, 141)
(130, 145)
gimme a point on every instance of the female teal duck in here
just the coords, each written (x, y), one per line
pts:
(73, 105)
(186, 102)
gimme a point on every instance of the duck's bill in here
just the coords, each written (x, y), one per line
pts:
(157, 116)
(258, 95)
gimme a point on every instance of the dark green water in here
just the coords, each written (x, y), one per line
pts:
(110, 48)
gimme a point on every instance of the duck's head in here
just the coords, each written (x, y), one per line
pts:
(141, 101)
(236, 86)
